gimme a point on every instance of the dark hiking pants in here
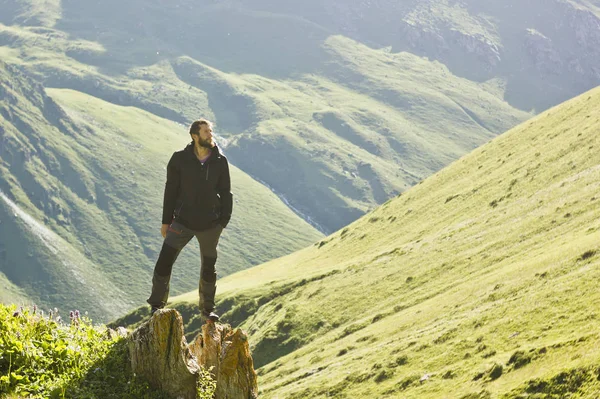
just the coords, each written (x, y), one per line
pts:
(177, 237)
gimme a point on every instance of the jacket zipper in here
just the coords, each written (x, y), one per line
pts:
(207, 169)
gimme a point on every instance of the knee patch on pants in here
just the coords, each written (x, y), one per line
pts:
(209, 273)
(167, 257)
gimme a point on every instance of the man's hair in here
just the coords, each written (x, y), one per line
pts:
(195, 127)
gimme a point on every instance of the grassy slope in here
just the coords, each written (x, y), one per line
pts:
(95, 175)
(496, 254)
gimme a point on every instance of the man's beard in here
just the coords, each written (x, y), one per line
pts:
(206, 143)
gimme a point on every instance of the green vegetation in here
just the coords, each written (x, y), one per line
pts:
(481, 281)
(42, 356)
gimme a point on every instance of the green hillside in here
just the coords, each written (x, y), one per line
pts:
(480, 282)
(81, 202)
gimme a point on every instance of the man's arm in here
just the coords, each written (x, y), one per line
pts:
(171, 190)
(224, 190)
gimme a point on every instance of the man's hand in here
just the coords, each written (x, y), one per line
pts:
(163, 229)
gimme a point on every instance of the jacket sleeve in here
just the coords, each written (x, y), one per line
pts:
(171, 190)
(224, 190)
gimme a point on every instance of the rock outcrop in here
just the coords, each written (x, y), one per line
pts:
(159, 353)
(543, 52)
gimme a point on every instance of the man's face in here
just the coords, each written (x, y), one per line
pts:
(205, 137)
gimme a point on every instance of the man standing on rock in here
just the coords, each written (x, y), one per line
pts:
(197, 202)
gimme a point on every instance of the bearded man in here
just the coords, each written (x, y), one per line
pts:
(197, 203)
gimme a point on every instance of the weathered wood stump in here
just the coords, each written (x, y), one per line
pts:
(159, 353)
(228, 353)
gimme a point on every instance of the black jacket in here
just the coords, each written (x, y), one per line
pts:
(198, 196)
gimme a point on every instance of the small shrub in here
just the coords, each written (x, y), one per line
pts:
(450, 198)
(351, 329)
(407, 382)
(478, 324)
(401, 360)
(560, 386)
(445, 337)
(383, 375)
(448, 375)
(519, 359)
(587, 254)
(359, 377)
(378, 317)
(496, 371)
(399, 308)
(206, 386)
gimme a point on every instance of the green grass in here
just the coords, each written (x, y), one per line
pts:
(482, 277)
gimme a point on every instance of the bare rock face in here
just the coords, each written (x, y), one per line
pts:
(543, 52)
(227, 354)
(159, 353)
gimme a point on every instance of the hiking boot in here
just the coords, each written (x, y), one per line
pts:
(210, 316)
